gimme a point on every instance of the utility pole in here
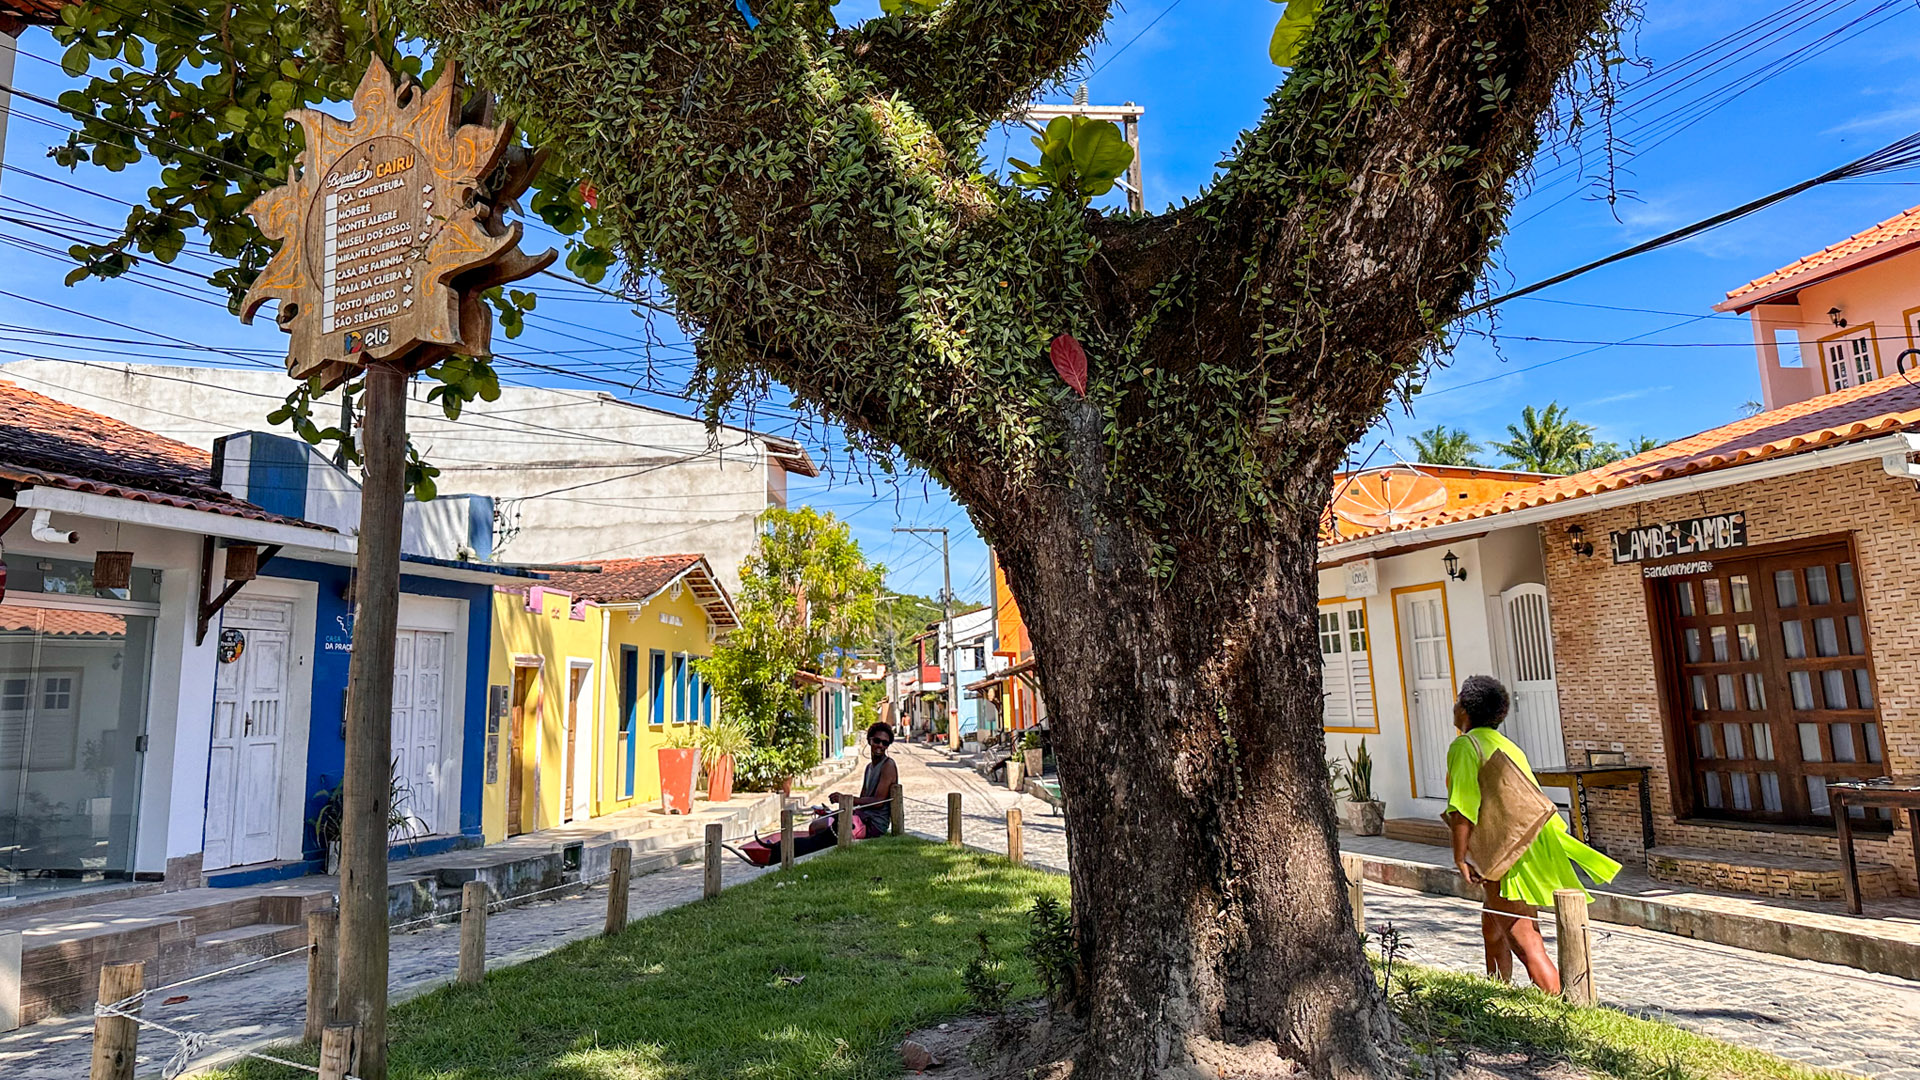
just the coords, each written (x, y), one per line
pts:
(948, 675)
(1127, 116)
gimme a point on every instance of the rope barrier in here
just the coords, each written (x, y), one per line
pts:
(1671, 941)
(195, 1044)
(129, 1002)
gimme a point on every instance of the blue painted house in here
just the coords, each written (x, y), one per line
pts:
(280, 697)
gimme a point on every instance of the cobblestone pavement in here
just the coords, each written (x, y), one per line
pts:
(1819, 1014)
(268, 1004)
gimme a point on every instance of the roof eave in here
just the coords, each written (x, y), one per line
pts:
(1786, 290)
(1783, 464)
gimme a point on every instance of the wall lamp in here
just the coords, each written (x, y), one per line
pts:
(1582, 546)
(1833, 314)
(1453, 567)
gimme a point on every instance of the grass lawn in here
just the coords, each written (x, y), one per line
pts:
(877, 939)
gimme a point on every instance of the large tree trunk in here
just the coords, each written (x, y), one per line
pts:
(1206, 887)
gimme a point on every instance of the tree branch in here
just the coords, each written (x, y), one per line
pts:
(973, 62)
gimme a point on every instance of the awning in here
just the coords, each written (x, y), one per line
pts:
(1026, 669)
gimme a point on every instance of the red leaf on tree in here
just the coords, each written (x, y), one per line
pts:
(1070, 360)
(588, 195)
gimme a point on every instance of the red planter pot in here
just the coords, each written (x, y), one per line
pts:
(676, 779)
(720, 780)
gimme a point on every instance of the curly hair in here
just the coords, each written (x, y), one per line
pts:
(1484, 701)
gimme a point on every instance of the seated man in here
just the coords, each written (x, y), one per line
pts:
(872, 809)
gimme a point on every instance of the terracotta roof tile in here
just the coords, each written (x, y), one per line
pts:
(629, 580)
(621, 579)
(59, 622)
(49, 443)
(1902, 229)
(1876, 408)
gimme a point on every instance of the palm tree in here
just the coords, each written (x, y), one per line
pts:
(1608, 452)
(1548, 441)
(1441, 445)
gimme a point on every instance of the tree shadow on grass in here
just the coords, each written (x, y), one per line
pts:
(816, 972)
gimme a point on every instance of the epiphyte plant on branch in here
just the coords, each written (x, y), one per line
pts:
(1079, 157)
(814, 199)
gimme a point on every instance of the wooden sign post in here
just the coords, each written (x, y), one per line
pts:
(390, 229)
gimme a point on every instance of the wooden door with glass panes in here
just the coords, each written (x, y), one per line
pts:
(1772, 692)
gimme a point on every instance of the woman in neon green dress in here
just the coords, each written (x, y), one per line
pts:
(1510, 928)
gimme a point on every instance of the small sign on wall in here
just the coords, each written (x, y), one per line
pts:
(1692, 536)
(1363, 579)
(496, 710)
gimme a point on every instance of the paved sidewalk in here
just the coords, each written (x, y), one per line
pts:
(269, 1003)
(1818, 1014)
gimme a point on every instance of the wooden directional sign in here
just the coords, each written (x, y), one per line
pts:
(390, 228)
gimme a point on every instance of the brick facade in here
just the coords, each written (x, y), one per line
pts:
(1604, 646)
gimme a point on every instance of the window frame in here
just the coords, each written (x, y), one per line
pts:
(1866, 331)
(1341, 633)
(657, 689)
(1686, 763)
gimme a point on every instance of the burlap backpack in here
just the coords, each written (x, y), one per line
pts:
(1513, 810)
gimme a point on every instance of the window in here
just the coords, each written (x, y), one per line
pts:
(1786, 344)
(680, 688)
(1850, 360)
(629, 717)
(1772, 695)
(696, 690)
(1346, 667)
(706, 703)
(657, 687)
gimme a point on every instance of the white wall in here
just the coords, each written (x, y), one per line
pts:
(643, 482)
(1491, 564)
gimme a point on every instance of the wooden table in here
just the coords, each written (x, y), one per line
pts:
(1893, 792)
(1577, 779)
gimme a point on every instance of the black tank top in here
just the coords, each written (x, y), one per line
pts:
(879, 817)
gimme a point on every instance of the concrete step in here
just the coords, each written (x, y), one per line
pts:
(1784, 876)
(1419, 831)
(224, 948)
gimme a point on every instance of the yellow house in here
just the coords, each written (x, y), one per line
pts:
(591, 672)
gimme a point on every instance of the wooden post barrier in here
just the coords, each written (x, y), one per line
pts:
(899, 810)
(786, 838)
(115, 1037)
(1016, 836)
(843, 824)
(323, 960)
(336, 1051)
(1576, 946)
(953, 818)
(1355, 868)
(714, 854)
(473, 932)
(617, 889)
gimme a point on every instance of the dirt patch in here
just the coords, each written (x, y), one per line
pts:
(1026, 1043)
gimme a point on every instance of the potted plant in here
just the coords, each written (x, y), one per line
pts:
(1360, 811)
(1034, 754)
(329, 817)
(1016, 773)
(719, 746)
(678, 756)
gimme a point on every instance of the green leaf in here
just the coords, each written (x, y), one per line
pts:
(1284, 48)
(75, 60)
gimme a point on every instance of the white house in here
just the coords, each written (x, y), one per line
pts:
(1401, 624)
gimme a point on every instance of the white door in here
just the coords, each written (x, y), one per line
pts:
(1535, 720)
(419, 668)
(245, 763)
(1429, 674)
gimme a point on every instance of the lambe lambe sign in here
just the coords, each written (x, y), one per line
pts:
(1693, 536)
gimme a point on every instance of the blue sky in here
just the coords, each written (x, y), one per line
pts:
(1839, 84)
